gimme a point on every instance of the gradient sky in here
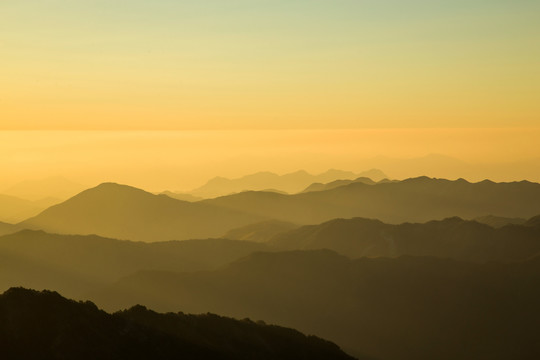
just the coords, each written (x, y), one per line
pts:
(179, 91)
(259, 64)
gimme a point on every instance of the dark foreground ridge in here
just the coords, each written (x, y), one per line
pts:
(44, 325)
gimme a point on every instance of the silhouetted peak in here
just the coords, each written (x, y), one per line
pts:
(115, 186)
(356, 221)
(534, 221)
(419, 179)
(364, 178)
(110, 190)
(20, 294)
(452, 220)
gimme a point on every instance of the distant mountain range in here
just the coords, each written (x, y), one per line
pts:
(442, 166)
(337, 183)
(411, 269)
(403, 308)
(288, 183)
(14, 209)
(413, 200)
(450, 238)
(499, 221)
(124, 212)
(74, 264)
(53, 187)
(44, 325)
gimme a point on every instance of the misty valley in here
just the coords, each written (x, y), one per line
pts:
(340, 265)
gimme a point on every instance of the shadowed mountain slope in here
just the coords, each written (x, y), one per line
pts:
(76, 264)
(404, 308)
(412, 200)
(450, 238)
(44, 325)
(261, 231)
(124, 212)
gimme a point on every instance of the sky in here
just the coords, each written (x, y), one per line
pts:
(197, 68)
(257, 64)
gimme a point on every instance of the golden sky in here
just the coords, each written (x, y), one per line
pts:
(178, 91)
(183, 160)
(259, 64)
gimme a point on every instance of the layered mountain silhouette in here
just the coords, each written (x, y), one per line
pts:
(442, 166)
(260, 232)
(6, 228)
(288, 183)
(53, 187)
(75, 264)
(182, 196)
(124, 212)
(449, 238)
(44, 325)
(338, 183)
(413, 200)
(499, 221)
(14, 209)
(533, 222)
(403, 308)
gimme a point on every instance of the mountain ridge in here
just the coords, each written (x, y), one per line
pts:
(125, 212)
(288, 183)
(411, 200)
(408, 307)
(465, 240)
(45, 325)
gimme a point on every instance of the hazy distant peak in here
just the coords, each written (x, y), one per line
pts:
(373, 174)
(298, 174)
(293, 182)
(56, 187)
